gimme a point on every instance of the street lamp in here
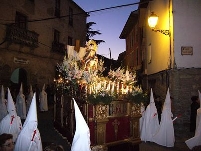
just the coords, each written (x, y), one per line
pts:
(152, 21)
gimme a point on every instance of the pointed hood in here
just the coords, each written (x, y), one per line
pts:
(81, 140)
(199, 97)
(10, 104)
(151, 97)
(2, 94)
(29, 138)
(43, 88)
(31, 90)
(21, 89)
(32, 114)
(167, 102)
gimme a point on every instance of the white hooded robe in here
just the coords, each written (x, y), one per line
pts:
(3, 109)
(150, 124)
(196, 140)
(21, 104)
(29, 98)
(165, 134)
(29, 138)
(81, 139)
(11, 123)
(142, 117)
(43, 100)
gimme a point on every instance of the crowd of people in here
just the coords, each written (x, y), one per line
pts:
(12, 124)
(18, 120)
(156, 123)
(16, 135)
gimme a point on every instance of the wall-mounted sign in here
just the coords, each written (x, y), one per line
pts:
(186, 50)
(20, 60)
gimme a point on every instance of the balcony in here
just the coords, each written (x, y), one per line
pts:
(58, 47)
(21, 36)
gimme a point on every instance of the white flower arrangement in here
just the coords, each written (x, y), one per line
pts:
(137, 95)
(123, 76)
(73, 75)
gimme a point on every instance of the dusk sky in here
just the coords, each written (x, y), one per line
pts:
(109, 22)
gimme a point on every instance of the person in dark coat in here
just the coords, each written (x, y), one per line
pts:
(158, 104)
(194, 106)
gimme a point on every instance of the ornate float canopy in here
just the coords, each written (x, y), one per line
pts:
(80, 74)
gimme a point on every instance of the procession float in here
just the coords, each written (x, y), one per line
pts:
(110, 104)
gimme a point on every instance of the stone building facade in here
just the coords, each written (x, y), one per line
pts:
(172, 59)
(33, 39)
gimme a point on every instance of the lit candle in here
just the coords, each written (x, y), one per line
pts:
(90, 89)
(95, 85)
(105, 84)
(99, 86)
(117, 87)
(108, 86)
(112, 90)
(130, 89)
(86, 88)
(127, 89)
(122, 88)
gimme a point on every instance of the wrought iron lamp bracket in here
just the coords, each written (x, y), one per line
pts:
(165, 32)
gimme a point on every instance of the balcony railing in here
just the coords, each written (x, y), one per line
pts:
(58, 47)
(21, 36)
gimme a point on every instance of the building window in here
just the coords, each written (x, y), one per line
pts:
(70, 41)
(70, 16)
(21, 20)
(56, 36)
(56, 45)
(57, 8)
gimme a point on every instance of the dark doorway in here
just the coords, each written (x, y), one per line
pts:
(18, 76)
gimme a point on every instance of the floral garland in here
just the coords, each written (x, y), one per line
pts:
(101, 97)
(76, 76)
(126, 77)
(137, 96)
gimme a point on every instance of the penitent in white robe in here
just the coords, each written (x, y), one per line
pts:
(21, 106)
(43, 101)
(3, 109)
(11, 124)
(196, 140)
(29, 99)
(150, 124)
(142, 117)
(3, 101)
(165, 134)
(81, 139)
(29, 139)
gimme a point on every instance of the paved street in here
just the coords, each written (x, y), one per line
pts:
(49, 135)
(47, 131)
(179, 146)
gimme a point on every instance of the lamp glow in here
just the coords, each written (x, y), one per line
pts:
(152, 20)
